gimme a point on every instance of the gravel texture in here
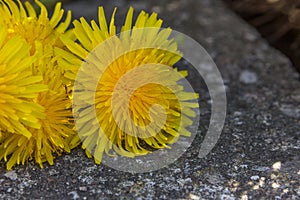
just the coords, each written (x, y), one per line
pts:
(257, 156)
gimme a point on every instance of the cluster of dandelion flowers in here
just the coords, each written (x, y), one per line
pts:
(116, 114)
(35, 116)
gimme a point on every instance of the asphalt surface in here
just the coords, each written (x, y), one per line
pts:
(257, 155)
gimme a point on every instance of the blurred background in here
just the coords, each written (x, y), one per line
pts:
(278, 21)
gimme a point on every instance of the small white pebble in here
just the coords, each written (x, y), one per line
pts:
(255, 187)
(243, 166)
(248, 77)
(254, 178)
(275, 185)
(273, 176)
(83, 188)
(194, 197)
(244, 197)
(262, 181)
(74, 195)
(237, 113)
(12, 175)
(277, 165)
(9, 190)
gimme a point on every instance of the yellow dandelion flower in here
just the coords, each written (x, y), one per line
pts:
(128, 122)
(24, 21)
(44, 110)
(18, 87)
(55, 126)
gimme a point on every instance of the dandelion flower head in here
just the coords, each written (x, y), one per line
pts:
(35, 114)
(123, 110)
